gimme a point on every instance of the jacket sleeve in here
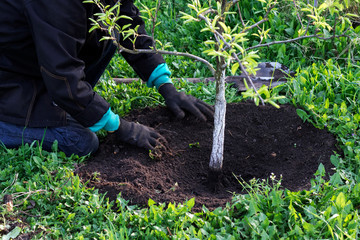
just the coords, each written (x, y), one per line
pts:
(143, 64)
(59, 30)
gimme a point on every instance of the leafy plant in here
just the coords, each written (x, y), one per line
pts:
(196, 144)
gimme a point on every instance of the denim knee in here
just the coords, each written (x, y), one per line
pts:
(89, 143)
(71, 139)
(80, 141)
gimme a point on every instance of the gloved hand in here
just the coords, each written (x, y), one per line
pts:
(179, 101)
(138, 135)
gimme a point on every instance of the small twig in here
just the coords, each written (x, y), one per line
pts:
(168, 231)
(255, 25)
(343, 52)
(17, 195)
(216, 33)
(261, 21)
(59, 188)
(13, 182)
(334, 34)
(36, 216)
(230, 133)
(241, 18)
(240, 15)
(315, 3)
(247, 77)
(154, 20)
(297, 13)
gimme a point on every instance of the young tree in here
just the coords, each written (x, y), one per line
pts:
(225, 47)
(228, 45)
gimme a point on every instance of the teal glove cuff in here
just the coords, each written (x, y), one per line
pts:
(110, 122)
(159, 76)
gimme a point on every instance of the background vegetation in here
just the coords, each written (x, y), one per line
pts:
(51, 202)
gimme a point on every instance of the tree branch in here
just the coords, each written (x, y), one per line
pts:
(246, 29)
(296, 39)
(139, 51)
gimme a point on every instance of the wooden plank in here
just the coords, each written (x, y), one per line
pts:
(238, 81)
(270, 74)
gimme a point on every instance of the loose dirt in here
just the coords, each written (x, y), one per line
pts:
(259, 141)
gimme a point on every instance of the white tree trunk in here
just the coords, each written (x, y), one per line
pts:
(217, 153)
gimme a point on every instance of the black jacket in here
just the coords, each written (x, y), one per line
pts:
(45, 49)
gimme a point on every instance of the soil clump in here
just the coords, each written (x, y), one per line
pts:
(259, 141)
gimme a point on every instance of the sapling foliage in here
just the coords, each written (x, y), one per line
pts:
(229, 43)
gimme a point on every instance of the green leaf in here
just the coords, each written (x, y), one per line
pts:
(257, 101)
(234, 68)
(93, 28)
(202, 10)
(313, 17)
(340, 200)
(125, 17)
(209, 42)
(352, 15)
(13, 234)
(357, 118)
(335, 160)
(273, 103)
(151, 202)
(70, 216)
(223, 26)
(321, 170)
(327, 103)
(191, 203)
(125, 26)
(302, 114)
(336, 179)
(37, 160)
(253, 208)
(214, 22)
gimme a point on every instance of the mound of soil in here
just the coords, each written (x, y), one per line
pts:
(258, 141)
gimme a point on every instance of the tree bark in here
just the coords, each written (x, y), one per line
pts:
(217, 154)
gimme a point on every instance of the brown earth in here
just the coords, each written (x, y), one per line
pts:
(258, 141)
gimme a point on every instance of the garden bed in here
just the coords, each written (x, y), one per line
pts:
(259, 141)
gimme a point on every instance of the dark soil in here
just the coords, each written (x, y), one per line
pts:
(258, 141)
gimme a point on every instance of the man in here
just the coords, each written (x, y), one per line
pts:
(49, 64)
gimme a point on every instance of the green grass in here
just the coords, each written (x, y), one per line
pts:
(51, 202)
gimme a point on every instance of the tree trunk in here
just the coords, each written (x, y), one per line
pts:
(217, 154)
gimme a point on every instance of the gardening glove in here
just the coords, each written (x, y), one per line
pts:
(109, 122)
(179, 101)
(138, 135)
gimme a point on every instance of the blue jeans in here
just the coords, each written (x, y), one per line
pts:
(72, 139)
